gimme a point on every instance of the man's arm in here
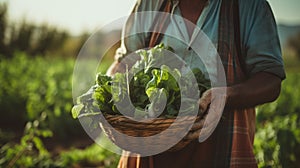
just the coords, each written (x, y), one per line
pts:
(261, 88)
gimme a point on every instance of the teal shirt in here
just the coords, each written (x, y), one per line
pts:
(260, 43)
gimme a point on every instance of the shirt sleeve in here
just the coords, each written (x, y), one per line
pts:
(260, 38)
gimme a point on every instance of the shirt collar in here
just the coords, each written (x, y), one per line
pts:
(176, 2)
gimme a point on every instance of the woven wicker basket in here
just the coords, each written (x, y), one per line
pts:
(121, 124)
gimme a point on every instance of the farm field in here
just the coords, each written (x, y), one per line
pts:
(37, 128)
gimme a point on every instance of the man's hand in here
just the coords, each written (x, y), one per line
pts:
(213, 102)
(210, 95)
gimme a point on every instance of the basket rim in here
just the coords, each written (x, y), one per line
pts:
(124, 123)
(152, 121)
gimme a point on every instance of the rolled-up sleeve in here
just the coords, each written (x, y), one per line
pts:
(260, 39)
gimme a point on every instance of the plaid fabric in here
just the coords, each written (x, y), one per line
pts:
(231, 144)
(154, 37)
(238, 125)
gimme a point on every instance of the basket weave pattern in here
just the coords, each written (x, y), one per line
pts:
(121, 124)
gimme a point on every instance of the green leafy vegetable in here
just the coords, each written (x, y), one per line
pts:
(149, 89)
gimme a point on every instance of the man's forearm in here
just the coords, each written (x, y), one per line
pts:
(261, 88)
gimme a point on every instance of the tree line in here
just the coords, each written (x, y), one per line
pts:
(34, 39)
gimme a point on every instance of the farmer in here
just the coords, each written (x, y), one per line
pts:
(245, 35)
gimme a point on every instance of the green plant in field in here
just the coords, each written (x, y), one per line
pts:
(30, 152)
(92, 156)
(277, 142)
(31, 86)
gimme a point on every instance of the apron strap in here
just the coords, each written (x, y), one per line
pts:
(160, 24)
(229, 42)
(237, 37)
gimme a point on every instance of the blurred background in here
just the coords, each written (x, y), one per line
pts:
(39, 43)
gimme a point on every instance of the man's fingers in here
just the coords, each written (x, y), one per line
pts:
(204, 101)
(214, 99)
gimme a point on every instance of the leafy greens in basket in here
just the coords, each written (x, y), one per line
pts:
(150, 89)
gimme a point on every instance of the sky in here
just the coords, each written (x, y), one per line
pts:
(77, 16)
